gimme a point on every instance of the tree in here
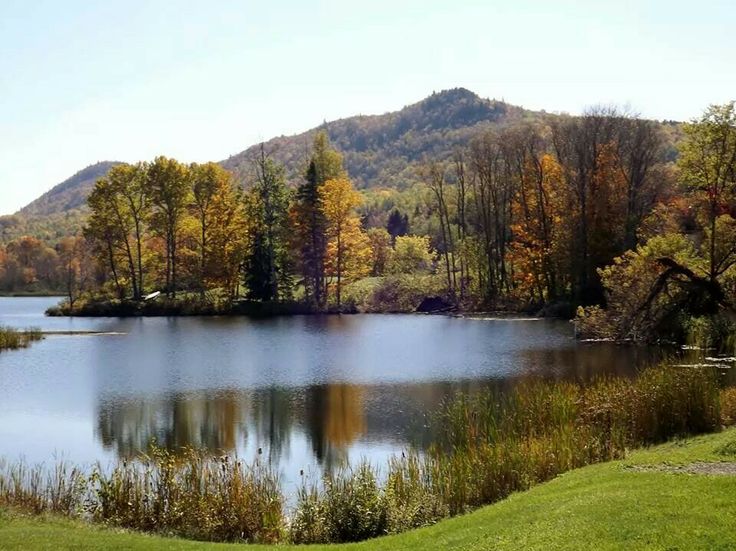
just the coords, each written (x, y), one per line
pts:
(339, 200)
(492, 193)
(228, 239)
(639, 155)
(397, 224)
(71, 253)
(538, 251)
(103, 231)
(633, 310)
(585, 147)
(268, 272)
(708, 168)
(123, 192)
(308, 220)
(435, 176)
(412, 255)
(211, 184)
(380, 241)
(129, 182)
(170, 188)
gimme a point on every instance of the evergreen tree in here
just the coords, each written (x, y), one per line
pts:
(268, 274)
(309, 221)
(397, 224)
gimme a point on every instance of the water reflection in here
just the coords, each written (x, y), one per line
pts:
(309, 392)
(328, 418)
(331, 417)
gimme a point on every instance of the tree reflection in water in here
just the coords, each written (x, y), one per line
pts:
(325, 420)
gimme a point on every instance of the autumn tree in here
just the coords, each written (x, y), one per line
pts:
(412, 255)
(130, 188)
(169, 185)
(227, 239)
(210, 184)
(103, 231)
(381, 250)
(585, 148)
(708, 168)
(74, 269)
(308, 220)
(348, 247)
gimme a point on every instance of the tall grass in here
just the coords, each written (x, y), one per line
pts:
(13, 338)
(60, 490)
(491, 445)
(487, 447)
(193, 495)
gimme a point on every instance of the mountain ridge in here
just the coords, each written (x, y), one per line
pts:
(431, 127)
(70, 194)
(379, 150)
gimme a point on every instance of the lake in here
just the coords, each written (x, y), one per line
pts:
(307, 392)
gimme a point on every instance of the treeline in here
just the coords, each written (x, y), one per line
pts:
(190, 232)
(539, 214)
(679, 283)
(528, 214)
(28, 265)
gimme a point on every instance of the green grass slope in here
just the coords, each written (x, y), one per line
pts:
(648, 501)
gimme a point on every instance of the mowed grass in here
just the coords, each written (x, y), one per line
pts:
(636, 503)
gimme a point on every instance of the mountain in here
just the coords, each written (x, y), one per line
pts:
(70, 194)
(379, 151)
(385, 150)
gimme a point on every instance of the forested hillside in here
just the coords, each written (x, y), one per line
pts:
(477, 201)
(385, 150)
(59, 212)
(71, 194)
(379, 150)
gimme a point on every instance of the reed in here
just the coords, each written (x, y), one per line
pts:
(13, 338)
(192, 495)
(59, 490)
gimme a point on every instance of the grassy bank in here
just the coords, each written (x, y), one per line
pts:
(13, 338)
(488, 447)
(647, 501)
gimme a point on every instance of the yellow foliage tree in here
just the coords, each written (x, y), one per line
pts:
(348, 247)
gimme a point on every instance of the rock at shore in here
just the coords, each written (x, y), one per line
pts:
(434, 304)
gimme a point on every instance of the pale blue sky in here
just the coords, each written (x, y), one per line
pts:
(84, 81)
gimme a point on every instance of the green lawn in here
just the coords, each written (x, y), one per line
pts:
(638, 503)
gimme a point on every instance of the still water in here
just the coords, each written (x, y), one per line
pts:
(309, 392)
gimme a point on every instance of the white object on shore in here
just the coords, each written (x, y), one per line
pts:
(152, 295)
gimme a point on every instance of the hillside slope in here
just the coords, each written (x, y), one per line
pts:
(385, 150)
(70, 194)
(379, 150)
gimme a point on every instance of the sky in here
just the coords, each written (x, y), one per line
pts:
(86, 81)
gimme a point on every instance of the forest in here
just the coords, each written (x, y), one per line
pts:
(626, 224)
